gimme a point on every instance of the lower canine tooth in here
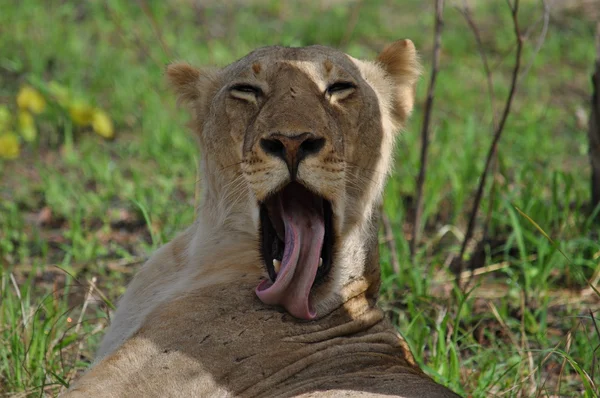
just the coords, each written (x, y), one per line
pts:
(320, 261)
(276, 265)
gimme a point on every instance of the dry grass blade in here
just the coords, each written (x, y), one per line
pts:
(467, 275)
(18, 293)
(88, 297)
(536, 225)
(564, 363)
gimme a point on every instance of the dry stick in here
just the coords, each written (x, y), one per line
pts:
(437, 44)
(497, 134)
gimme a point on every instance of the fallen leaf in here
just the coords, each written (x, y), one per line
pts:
(27, 126)
(30, 99)
(102, 124)
(81, 113)
(9, 146)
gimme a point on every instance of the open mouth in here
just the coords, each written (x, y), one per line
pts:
(296, 245)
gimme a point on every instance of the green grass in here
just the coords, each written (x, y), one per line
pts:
(93, 210)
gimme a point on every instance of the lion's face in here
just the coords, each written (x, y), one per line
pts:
(298, 141)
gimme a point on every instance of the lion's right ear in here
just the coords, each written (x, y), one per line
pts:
(192, 86)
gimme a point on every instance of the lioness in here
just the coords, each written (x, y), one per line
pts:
(272, 290)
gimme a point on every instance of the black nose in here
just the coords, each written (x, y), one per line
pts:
(292, 148)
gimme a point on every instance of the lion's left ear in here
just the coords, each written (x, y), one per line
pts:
(401, 62)
(193, 86)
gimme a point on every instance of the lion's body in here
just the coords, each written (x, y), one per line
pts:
(211, 342)
(191, 323)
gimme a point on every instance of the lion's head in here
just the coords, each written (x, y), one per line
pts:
(296, 145)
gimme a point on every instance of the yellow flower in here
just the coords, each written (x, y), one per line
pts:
(29, 98)
(60, 93)
(9, 146)
(4, 118)
(81, 113)
(102, 124)
(27, 126)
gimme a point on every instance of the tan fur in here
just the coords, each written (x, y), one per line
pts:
(190, 323)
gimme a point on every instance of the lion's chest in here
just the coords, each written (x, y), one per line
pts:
(243, 347)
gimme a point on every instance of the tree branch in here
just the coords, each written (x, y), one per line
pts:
(437, 44)
(459, 262)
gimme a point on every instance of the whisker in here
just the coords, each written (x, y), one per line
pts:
(234, 164)
(361, 177)
(366, 168)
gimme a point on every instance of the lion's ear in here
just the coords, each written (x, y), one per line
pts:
(193, 86)
(401, 62)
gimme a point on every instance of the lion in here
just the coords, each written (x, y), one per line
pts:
(272, 291)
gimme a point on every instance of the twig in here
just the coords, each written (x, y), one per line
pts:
(458, 268)
(541, 38)
(352, 22)
(435, 63)
(466, 13)
(391, 243)
(157, 31)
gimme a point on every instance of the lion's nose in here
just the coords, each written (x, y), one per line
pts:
(292, 148)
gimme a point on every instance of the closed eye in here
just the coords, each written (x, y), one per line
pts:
(246, 89)
(340, 87)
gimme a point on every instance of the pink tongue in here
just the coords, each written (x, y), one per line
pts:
(304, 231)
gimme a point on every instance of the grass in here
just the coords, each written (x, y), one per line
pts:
(78, 214)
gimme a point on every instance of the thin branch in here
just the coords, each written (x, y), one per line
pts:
(437, 44)
(391, 243)
(458, 268)
(466, 13)
(541, 38)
